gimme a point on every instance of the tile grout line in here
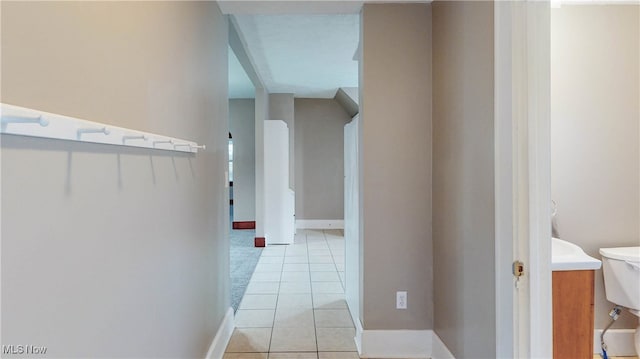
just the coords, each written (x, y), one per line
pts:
(275, 310)
(313, 312)
(333, 258)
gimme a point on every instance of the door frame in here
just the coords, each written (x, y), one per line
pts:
(522, 179)
(506, 300)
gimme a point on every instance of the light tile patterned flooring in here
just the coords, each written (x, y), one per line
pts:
(294, 305)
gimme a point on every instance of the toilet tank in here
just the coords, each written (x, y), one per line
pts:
(621, 269)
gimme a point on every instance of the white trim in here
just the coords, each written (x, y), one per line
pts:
(522, 315)
(506, 303)
(354, 317)
(400, 344)
(220, 341)
(531, 168)
(539, 179)
(358, 337)
(320, 223)
(619, 342)
(440, 350)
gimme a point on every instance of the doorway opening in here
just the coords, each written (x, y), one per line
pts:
(241, 148)
(295, 299)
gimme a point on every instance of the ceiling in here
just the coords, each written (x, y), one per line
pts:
(308, 55)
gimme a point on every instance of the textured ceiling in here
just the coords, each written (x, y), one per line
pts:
(307, 55)
(240, 86)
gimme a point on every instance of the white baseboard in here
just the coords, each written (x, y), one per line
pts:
(358, 337)
(619, 342)
(440, 350)
(320, 223)
(400, 344)
(220, 341)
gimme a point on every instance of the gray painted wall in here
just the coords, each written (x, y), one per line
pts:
(319, 152)
(262, 114)
(595, 129)
(395, 107)
(463, 178)
(281, 108)
(242, 124)
(113, 251)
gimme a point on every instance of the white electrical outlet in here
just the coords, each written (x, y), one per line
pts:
(401, 300)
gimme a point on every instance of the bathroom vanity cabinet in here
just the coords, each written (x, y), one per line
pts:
(573, 314)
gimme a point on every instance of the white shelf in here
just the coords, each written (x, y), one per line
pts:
(28, 122)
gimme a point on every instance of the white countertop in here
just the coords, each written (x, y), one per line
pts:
(566, 256)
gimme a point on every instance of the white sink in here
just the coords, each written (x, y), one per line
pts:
(567, 256)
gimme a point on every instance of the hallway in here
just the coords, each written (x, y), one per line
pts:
(294, 305)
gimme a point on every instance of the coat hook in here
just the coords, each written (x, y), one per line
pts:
(104, 130)
(163, 141)
(19, 119)
(140, 137)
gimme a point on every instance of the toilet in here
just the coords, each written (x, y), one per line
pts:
(621, 268)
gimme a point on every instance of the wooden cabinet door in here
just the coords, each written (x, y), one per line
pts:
(573, 314)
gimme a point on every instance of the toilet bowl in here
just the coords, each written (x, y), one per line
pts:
(621, 269)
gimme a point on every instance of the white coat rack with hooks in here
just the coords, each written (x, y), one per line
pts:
(22, 121)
